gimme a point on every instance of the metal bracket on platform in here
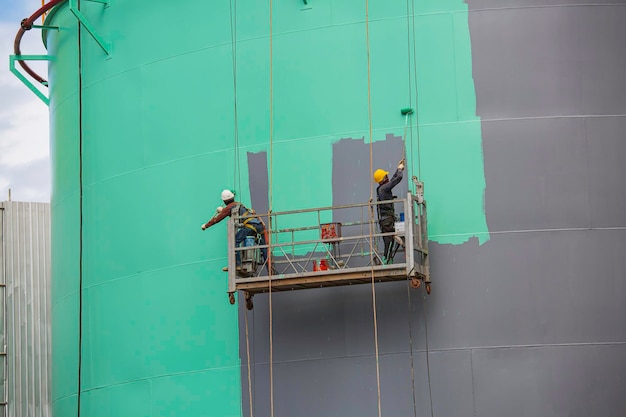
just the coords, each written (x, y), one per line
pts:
(106, 46)
(25, 80)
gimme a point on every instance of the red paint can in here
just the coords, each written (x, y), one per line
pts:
(323, 265)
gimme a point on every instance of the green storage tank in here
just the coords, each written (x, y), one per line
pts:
(146, 132)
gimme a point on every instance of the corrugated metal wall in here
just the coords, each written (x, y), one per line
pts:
(25, 299)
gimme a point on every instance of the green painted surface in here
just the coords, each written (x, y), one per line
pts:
(65, 227)
(159, 337)
(320, 97)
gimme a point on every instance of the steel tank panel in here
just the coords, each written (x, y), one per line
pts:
(143, 143)
(135, 332)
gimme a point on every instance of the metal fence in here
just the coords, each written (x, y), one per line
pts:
(25, 309)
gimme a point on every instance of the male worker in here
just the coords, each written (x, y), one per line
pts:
(251, 226)
(386, 212)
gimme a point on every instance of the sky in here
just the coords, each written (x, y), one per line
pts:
(24, 121)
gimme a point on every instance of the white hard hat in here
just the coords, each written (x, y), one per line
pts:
(227, 195)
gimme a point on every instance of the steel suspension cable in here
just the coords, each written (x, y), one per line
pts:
(269, 211)
(408, 46)
(408, 287)
(430, 391)
(408, 290)
(371, 221)
(248, 357)
(233, 40)
(237, 169)
(419, 174)
(417, 127)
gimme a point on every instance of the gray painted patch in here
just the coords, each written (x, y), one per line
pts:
(528, 324)
(607, 158)
(503, 4)
(258, 181)
(352, 176)
(483, 296)
(548, 61)
(529, 288)
(552, 381)
(536, 177)
(451, 381)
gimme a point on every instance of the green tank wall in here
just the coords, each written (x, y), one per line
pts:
(143, 144)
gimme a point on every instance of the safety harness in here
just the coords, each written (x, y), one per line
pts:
(250, 221)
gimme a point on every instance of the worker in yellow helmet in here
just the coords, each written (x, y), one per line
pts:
(386, 211)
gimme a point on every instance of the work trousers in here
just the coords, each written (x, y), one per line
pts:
(387, 225)
(244, 232)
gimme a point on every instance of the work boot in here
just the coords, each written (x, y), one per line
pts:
(225, 269)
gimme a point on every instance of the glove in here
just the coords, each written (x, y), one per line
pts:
(203, 227)
(219, 209)
(401, 165)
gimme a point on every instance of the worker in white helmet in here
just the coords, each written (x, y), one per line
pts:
(251, 226)
(386, 212)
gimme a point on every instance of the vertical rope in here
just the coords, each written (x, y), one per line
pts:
(408, 287)
(408, 291)
(369, 112)
(419, 160)
(233, 43)
(409, 163)
(270, 203)
(248, 357)
(430, 391)
(419, 174)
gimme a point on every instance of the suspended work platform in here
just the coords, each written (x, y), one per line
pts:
(331, 246)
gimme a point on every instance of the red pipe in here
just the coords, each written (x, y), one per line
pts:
(27, 24)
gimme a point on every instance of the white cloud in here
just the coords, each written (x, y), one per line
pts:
(24, 134)
(24, 124)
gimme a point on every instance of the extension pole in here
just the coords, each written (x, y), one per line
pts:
(406, 112)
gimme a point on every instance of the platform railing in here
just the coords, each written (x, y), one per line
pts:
(309, 244)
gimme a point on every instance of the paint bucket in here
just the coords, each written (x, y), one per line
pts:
(323, 265)
(248, 254)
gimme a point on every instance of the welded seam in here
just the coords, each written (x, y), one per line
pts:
(80, 185)
(354, 135)
(504, 232)
(304, 360)
(543, 6)
(337, 136)
(149, 271)
(443, 350)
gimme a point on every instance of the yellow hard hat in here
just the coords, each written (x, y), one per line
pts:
(379, 174)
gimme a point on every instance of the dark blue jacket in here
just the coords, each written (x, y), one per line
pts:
(384, 192)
